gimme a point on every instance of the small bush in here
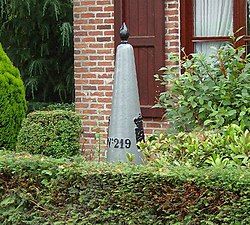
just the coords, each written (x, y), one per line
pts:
(12, 102)
(40, 190)
(229, 146)
(51, 133)
(211, 91)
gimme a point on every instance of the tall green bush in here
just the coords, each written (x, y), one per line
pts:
(12, 101)
(210, 91)
(38, 37)
(52, 133)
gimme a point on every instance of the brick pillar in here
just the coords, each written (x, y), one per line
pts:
(172, 25)
(94, 67)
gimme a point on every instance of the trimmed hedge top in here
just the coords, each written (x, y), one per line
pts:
(40, 190)
(51, 133)
(46, 106)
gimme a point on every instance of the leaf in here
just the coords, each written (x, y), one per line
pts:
(193, 104)
(239, 38)
(66, 33)
(47, 172)
(7, 201)
(209, 104)
(201, 101)
(207, 122)
(55, 5)
(201, 110)
(231, 112)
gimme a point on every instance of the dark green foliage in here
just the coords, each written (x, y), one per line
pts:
(46, 106)
(40, 190)
(38, 36)
(211, 92)
(227, 147)
(51, 133)
(12, 102)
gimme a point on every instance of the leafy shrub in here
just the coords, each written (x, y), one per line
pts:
(51, 133)
(210, 92)
(40, 190)
(46, 106)
(229, 146)
(12, 101)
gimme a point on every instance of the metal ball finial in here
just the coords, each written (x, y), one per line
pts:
(124, 34)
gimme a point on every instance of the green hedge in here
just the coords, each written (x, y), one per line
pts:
(12, 101)
(52, 133)
(40, 190)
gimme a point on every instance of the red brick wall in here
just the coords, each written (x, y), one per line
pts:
(94, 66)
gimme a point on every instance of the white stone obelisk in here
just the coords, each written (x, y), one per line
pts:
(125, 126)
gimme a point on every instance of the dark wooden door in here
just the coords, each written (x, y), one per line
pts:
(145, 20)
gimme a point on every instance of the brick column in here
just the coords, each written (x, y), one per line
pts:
(94, 66)
(172, 25)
